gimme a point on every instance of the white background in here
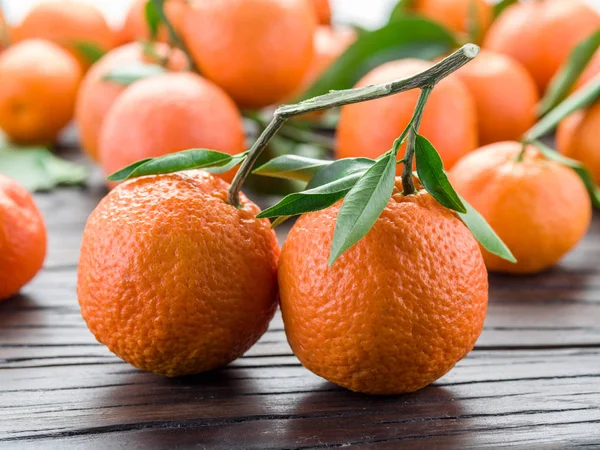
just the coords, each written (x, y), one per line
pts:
(368, 13)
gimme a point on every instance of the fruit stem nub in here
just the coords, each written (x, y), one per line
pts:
(424, 80)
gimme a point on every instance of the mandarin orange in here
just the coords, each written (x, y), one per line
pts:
(22, 237)
(449, 120)
(174, 280)
(538, 207)
(455, 14)
(396, 311)
(135, 27)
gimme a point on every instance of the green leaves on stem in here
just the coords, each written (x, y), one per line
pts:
(89, 51)
(175, 162)
(565, 79)
(129, 74)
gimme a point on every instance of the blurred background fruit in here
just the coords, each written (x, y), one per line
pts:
(323, 10)
(456, 14)
(505, 95)
(169, 113)
(449, 122)
(69, 24)
(539, 208)
(542, 34)
(136, 27)
(23, 237)
(259, 64)
(97, 95)
(397, 310)
(173, 279)
(39, 82)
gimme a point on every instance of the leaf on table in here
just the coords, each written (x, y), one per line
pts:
(339, 169)
(569, 73)
(130, 73)
(430, 169)
(38, 169)
(580, 169)
(89, 51)
(502, 5)
(174, 162)
(406, 37)
(313, 199)
(291, 167)
(483, 232)
(363, 205)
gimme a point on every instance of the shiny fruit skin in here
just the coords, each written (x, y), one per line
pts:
(449, 121)
(174, 280)
(505, 95)
(257, 50)
(577, 138)
(39, 85)
(169, 113)
(396, 311)
(22, 237)
(539, 208)
(96, 95)
(541, 35)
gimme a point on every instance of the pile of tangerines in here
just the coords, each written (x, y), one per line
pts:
(177, 274)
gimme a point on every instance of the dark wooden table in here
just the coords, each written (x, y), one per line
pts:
(533, 379)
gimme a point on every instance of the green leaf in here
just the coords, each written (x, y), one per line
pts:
(173, 162)
(279, 221)
(401, 9)
(406, 37)
(90, 51)
(581, 98)
(152, 19)
(340, 169)
(235, 161)
(569, 73)
(430, 169)
(577, 166)
(484, 233)
(291, 167)
(38, 169)
(313, 199)
(363, 205)
(502, 5)
(131, 73)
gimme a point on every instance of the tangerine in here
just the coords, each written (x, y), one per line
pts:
(135, 27)
(323, 10)
(39, 83)
(166, 114)
(455, 14)
(257, 50)
(538, 207)
(395, 312)
(505, 95)
(22, 237)
(449, 120)
(174, 280)
(542, 34)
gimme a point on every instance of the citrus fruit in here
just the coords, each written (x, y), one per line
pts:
(39, 84)
(136, 27)
(174, 280)
(455, 14)
(22, 237)
(449, 120)
(542, 34)
(505, 95)
(577, 138)
(67, 23)
(323, 10)
(539, 208)
(97, 95)
(395, 312)
(257, 50)
(166, 114)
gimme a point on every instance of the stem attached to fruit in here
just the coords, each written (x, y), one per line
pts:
(334, 99)
(408, 185)
(175, 38)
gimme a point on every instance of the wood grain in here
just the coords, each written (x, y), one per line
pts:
(533, 379)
